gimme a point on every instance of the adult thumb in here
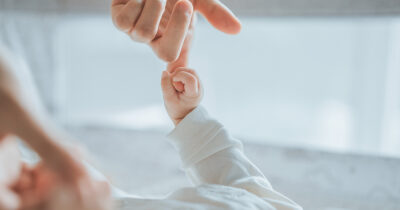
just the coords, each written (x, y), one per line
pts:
(219, 16)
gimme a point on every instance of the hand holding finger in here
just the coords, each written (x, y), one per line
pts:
(186, 83)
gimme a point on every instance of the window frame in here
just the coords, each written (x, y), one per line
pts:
(240, 7)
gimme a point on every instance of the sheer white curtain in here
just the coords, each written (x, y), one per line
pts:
(390, 139)
(328, 83)
(30, 36)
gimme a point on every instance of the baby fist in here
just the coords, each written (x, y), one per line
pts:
(182, 92)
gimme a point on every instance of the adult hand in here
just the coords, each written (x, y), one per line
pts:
(165, 24)
(19, 118)
(38, 188)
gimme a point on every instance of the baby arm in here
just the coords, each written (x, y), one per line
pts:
(209, 154)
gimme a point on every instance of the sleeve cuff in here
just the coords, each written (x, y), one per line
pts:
(198, 136)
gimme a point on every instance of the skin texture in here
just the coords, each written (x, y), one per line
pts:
(60, 180)
(167, 24)
(182, 92)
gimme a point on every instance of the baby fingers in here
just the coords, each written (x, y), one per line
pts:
(186, 83)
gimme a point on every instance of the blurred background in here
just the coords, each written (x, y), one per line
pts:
(303, 77)
(329, 83)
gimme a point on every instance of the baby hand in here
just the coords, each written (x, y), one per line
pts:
(182, 92)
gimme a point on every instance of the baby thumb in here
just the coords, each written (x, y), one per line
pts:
(166, 85)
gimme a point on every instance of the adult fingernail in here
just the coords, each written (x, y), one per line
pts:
(185, 7)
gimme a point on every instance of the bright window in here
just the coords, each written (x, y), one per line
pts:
(330, 83)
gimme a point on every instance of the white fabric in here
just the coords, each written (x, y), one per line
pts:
(223, 176)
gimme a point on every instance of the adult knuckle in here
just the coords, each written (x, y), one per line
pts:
(145, 32)
(167, 55)
(122, 21)
(158, 4)
(136, 2)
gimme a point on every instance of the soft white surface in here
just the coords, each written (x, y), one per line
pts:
(144, 163)
(223, 177)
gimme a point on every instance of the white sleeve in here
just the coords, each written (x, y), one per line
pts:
(211, 156)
